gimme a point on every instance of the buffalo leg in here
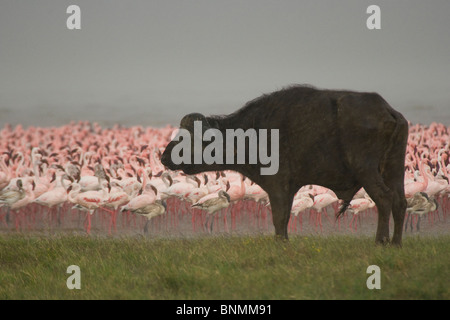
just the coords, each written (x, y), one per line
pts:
(398, 212)
(281, 212)
(393, 177)
(383, 198)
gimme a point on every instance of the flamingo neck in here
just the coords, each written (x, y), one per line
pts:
(72, 194)
(168, 181)
(191, 180)
(19, 167)
(423, 173)
(443, 167)
(5, 167)
(144, 178)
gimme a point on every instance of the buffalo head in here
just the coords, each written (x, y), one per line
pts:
(186, 148)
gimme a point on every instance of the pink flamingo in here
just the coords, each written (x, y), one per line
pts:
(321, 201)
(24, 201)
(56, 196)
(88, 201)
(359, 205)
(5, 174)
(117, 198)
(143, 204)
(417, 186)
(301, 203)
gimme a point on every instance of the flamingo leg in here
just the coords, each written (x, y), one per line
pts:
(407, 220)
(8, 216)
(205, 225)
(146, 226)
(212, 223)
(88, 229)
(225, 221)
(351, 222)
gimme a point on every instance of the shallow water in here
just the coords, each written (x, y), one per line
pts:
(232, 221)
(156, 116)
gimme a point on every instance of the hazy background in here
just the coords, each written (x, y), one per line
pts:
(151, 62)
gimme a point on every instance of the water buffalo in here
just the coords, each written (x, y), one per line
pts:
(342, 140)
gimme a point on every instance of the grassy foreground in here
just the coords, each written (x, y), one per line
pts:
(222, 268)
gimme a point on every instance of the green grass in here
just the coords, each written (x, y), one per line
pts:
(222, 268)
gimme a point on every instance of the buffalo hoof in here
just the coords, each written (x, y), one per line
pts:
(281, 238)
(384, 241)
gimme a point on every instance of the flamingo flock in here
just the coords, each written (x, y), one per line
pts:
(86, 170)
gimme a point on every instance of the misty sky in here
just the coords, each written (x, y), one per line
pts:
(147, 60)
